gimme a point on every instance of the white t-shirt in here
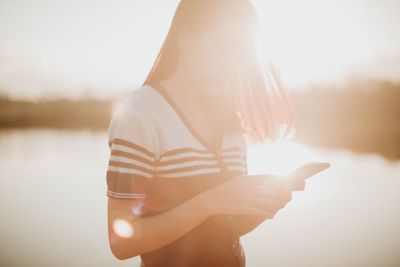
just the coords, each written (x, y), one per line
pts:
(158, 157)
(150, 139)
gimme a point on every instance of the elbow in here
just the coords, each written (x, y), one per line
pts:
(118, 254)
(123, 238)
(122, 254)
(121, 249)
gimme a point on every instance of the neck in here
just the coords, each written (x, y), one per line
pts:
(190, 94)
(187, 89)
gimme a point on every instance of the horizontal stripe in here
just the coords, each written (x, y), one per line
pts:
(121, 170)
(230, 149)
(240, 168)
(189, 174)
(147, 165)
(186, 155)
(233, 157)
(178, 166)
(186, 164)
(191, 154)
(130, 166)
(130, 163)
(126, 196)
(130, 153)
(236, 150)
(214, 171)
(125, 183)
(184, 160)
(235, 165)
(126, 143)
(183, 174)
(199, 151)
(234, 161)
(184, 150)
(184, 169)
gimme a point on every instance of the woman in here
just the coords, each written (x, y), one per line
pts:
(178, 189)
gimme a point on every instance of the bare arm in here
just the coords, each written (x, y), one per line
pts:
(153, 232)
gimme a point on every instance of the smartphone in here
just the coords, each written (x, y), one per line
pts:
(297, 177)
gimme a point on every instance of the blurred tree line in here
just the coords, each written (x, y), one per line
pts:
(364, 116)
(57, 113)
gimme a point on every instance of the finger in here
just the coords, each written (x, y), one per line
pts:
(254, 180)
(284, 191)
(251, 210)
(260, 179)
(264, 194)
(275, 179)
(265, 203)
(261, 187)
(272, 190)
(299, 185)
(267, 192)
(285, 198)
(281, 194)
(284, 187)
(272, 210)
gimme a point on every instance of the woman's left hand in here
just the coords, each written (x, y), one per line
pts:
(279, 191)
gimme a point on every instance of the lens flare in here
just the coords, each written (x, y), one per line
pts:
(123, 228)
(137, 208)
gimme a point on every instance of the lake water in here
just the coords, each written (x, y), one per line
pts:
(53, 205)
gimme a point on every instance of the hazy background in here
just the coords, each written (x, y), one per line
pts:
(65, 66)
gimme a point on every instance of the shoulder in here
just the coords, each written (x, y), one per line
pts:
(140, 102)
(131, 119)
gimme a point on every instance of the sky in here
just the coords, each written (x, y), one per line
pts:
(99, 48)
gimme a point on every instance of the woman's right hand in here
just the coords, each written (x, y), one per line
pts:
(261, 195)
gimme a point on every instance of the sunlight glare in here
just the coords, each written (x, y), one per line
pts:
(280, 158)
(315, 41)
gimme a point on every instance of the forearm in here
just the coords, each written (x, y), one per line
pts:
(154, 232)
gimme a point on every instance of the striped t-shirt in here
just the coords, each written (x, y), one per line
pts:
(158, 157)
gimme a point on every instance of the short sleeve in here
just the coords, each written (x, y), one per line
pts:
(243, 147)
(131, 163)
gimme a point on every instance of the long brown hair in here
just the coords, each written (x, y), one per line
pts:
(261, 104)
